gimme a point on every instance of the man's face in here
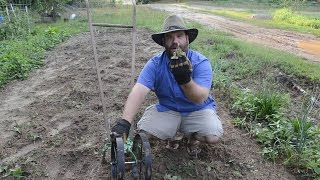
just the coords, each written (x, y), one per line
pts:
(173, 39)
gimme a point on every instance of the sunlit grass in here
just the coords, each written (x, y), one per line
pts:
(244, 11)
(249, 57)
(235, 14)
(145, 17)
(256, 4)
(247, 16)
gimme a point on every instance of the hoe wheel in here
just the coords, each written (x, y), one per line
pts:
(141, 149)
(117, 159)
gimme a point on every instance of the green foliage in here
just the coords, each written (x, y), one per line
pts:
(263, 106)
(261, 3)
(16, 172)
(295, 141)
(143, 1)
(275, 137)
(19, 57)
(302, 6)
(16, 27)
(3, 2)
(51, 6)
(128, 145)
(286, 15)
(3, 169)
(220, 80)
(236, 14)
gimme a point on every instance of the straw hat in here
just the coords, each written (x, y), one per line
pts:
(174, 23)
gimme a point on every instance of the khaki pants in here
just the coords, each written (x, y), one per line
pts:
(165, 125)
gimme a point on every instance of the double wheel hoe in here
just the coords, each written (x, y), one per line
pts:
(137, 154)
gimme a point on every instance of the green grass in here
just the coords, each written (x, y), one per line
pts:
(246, 16)
(234, 14)
(252, 55)
(255, 4)
(20, 55)
(146, 18)
(287, 15)
(231, 4)
(244, 10)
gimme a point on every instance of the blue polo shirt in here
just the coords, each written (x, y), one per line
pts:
(156, 75)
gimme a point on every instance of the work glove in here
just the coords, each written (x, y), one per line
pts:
(181, 67)
(121, 128)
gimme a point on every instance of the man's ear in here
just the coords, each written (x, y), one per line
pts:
(187, 36)
(162, 40)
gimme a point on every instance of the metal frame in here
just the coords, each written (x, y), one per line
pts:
(141, 158)
(133, 27)
(141, 163)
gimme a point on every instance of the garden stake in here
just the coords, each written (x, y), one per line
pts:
(140, 154)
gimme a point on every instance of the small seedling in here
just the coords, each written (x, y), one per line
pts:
(17, 130)
(3, 169)
(34, 137)
(16, 172)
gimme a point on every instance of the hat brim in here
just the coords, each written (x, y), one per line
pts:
(158, 37)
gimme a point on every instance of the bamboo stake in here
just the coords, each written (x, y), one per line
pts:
(111, 25)
(133, 43)
(13, 10)
(8, 13)
(104, 109)
(26, 7)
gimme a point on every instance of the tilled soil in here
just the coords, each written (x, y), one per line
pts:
(52, 124)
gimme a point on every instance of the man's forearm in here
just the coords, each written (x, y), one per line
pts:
(134, 101)
(195, 93)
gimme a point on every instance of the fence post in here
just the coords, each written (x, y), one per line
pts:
(8, 13)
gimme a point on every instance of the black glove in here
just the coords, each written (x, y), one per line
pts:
(122, 126)
(181, 68)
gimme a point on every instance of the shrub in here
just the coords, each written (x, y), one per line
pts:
(18, 57)
(143, 1)
(17, 26)
(286, 15)
(263, 106)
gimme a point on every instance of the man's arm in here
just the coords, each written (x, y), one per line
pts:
(134, 101)
(195, 93)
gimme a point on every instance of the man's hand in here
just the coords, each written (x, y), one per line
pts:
(181, 67)
(122, 128)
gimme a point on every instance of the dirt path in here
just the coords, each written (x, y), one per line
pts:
(51, 124)
(304, 45)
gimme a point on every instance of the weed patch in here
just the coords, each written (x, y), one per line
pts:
(19, 56)
(292, 141)
(286, 15)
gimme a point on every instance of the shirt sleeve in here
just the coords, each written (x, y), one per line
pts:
(202, 74)
(147, 75)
